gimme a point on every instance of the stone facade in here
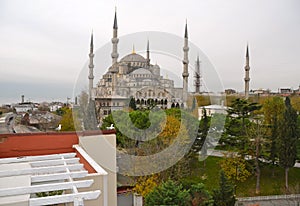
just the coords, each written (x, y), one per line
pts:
(133, 76)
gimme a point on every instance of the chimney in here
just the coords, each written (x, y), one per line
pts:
(22, 101)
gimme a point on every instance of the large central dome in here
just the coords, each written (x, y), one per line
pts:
(133, 58)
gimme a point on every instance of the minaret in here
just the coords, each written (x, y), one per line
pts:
(91, 67)
(114, 54)
(197, 76)
(115, 40)
(148, 54)
(185, 62)
(247, 78)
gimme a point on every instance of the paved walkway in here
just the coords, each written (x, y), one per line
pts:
(276, 200)
(220, 153)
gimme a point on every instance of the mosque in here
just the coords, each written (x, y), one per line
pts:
(134, 76)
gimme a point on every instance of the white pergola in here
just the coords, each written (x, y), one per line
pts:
(45, 173)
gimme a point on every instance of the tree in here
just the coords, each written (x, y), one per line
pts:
(288, 139)
(224, 195)
(122, 140)
(145, 184)
(256, 132)
(199, 195)
(90, 119)
(173, 130)
(170, 129)
(237, 121)
(199, 146)
(67, 122)
(234, 167)
(168, 193)
(273, 109)
(86, 113)
(132, 103)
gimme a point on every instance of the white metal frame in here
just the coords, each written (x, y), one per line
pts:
(52, 173)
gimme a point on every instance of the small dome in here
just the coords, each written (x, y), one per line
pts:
(156, 66)
(141, 71)
(133, 58)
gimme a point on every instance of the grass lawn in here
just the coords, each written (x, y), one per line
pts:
(270, 185)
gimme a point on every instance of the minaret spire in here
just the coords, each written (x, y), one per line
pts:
(115, 19)
(115, 40)
(247, 76)
(148, 54)
(92, 43)
(185, 62)
(197, 76)
(91, 66)
(186, 30)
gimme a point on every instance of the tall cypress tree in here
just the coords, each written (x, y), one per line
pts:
(224, 195)
(132, 103)
(200, 145)
(288, 139)
(90, 119)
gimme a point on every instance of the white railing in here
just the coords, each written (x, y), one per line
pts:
(267, 198)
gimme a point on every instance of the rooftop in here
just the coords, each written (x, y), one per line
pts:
(33, 165)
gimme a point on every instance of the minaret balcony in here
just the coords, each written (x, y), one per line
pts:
(114, 55)
(115, 40)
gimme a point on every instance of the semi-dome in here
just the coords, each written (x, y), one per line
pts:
(141, 71)
(133, 58)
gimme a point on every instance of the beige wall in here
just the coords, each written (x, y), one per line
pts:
(102, 149)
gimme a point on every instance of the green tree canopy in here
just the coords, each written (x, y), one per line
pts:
(224, 195)
(168, 193)
(273, 109)
(67, 122)
(289, 133)
(238, 119)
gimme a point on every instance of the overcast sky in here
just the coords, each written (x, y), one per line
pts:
(44, 44)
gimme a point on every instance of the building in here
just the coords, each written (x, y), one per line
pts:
(230, 91)
(285, 91)
(80, 167)
(25, 107)
(135, 76)
(211, 110)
